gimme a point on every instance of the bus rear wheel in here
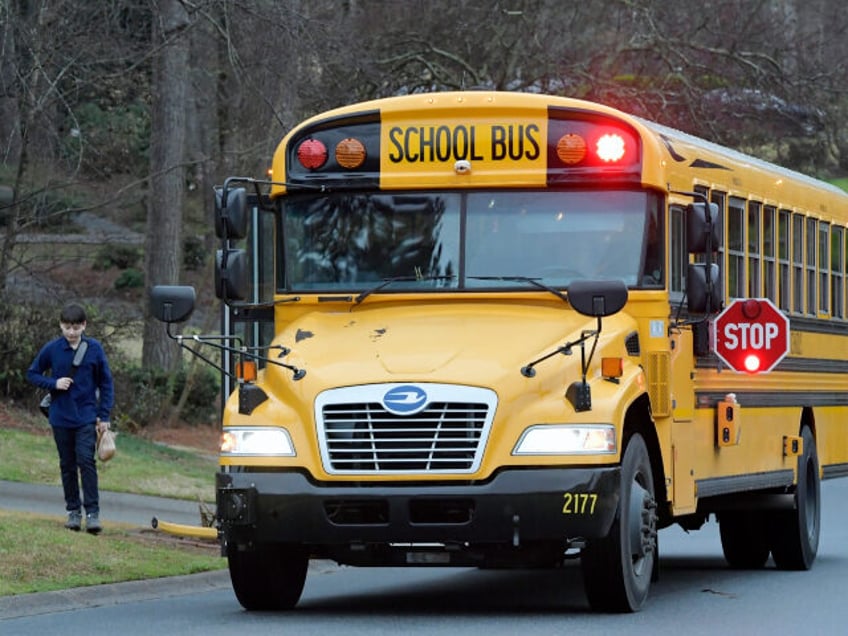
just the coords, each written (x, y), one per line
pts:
(618, 569)
(794, 534)
(270, 577)
(744, 539)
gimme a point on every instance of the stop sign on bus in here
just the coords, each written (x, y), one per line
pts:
(751, 335)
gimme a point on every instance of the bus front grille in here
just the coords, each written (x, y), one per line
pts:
(365, 437)
(446, 436)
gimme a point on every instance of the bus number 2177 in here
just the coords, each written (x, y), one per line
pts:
(579, 503)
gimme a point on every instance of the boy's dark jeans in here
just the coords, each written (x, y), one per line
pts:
(76, 455)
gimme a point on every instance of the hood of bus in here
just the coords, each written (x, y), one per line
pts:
(482, 345)
(470, 343)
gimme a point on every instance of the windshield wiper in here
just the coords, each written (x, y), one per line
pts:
(395, 279)
(524, 279)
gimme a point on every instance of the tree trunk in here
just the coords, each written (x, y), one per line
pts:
(206, 150)
(10, 131)
(163, 242)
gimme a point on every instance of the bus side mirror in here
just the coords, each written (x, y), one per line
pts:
(172, 303)
(701, 228)
(230, 213)
(701, 296)
(597, 298)
(231, 282)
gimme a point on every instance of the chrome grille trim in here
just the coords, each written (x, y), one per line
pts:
(357, 435)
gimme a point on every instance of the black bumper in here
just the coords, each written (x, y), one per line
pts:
(528, 505)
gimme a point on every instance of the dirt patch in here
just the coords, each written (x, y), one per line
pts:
(202, 437)
(204, 546)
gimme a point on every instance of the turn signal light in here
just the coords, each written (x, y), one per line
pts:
(246, 371)
(612, 367)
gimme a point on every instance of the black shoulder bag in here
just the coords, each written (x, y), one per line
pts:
(44, 405)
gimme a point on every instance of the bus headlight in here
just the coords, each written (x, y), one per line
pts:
(563, 439)
(256, 440)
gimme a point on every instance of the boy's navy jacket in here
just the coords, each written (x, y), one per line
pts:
(91, 394)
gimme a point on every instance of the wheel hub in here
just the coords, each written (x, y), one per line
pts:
(643, 522)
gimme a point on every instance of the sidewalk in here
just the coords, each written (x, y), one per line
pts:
(114, 506)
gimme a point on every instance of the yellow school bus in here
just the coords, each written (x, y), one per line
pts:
(479, 329)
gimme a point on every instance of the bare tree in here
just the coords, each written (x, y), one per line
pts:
(163, 249)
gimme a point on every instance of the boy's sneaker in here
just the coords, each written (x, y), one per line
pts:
(92, 524)
(74, 520)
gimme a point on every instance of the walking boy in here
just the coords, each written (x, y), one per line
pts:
(82, 398)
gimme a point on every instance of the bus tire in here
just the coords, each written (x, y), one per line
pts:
(795, 533)
(744, 539)
(271, 577)
(618, 569)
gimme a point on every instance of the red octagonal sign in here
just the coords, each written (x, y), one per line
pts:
(751, 335)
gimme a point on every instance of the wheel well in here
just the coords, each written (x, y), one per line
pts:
(807, 419)
(639, 420)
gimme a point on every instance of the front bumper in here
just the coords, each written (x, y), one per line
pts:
(514, 507)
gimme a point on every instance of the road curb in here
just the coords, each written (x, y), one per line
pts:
(110, 594)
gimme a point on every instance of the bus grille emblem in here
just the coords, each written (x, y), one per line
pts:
(405, 400)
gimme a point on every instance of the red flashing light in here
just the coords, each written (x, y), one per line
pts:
(610, 147)
(752, 363)
(312, 154)
(751, 309)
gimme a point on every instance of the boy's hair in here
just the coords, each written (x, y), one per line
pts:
(72, 314)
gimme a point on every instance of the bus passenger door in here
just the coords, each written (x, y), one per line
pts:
(683, 439)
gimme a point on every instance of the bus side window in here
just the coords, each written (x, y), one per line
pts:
(678, 253)
(769, 256)
(653, 273)
(836, 276)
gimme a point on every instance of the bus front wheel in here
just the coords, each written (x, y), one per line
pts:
(794, 534)
(618, 569)
(270, 577)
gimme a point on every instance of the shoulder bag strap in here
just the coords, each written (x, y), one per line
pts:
(78, 356)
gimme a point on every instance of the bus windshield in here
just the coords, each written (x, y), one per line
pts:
(470, 240)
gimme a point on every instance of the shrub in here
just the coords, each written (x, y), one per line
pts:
(108, 140)
(142, 395)
(201, 404)
(194, 253)
(120, 256)
(129, 279)
(24, 329)
(139, 393)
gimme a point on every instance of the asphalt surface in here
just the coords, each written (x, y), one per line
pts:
(118, 508)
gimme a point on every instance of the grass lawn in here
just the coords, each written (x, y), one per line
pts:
(37, 554)
(140, 466)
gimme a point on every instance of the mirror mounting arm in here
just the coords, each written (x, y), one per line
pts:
(217, 342)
